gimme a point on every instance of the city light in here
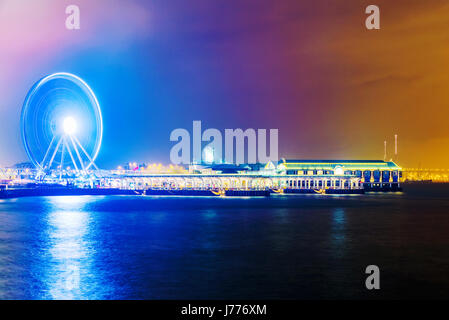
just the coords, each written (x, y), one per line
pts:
(208, 155)
(339, 171)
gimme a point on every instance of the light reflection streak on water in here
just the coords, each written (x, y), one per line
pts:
(338, 233)
(69, 252)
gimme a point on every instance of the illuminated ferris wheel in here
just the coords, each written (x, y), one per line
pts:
(61, 124)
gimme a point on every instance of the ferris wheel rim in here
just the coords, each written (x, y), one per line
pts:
(77, 80)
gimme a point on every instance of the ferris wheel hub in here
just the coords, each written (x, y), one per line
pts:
(69, 125)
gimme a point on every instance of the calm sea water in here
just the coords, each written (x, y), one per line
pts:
(291, 246)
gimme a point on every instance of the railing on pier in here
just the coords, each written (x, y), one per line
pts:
(231, 182)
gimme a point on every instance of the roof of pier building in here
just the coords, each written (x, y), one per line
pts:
(332, 164)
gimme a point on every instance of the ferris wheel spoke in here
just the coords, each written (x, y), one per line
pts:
(77, 153)
(87, 155)
(62, 159)
(54, 153)
(70, 153)
(46, 153)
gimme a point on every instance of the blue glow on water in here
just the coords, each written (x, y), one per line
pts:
(69, 253)
(134, 247)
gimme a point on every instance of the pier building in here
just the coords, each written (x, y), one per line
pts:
(375, 175)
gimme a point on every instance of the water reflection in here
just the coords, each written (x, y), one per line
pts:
(69, 271)
(183, 248)
(338, 232)
(11, 244)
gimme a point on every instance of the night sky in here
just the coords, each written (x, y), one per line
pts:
(309, 68)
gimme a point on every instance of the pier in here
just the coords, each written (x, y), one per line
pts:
(108, 183)
(285, 177)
